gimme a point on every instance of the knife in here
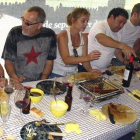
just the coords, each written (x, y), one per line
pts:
(111, 117)
(136, 96)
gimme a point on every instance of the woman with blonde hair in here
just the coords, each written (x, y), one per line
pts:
(72, 45)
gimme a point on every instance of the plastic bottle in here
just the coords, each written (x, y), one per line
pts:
(68, 97)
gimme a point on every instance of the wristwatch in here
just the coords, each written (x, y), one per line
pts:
(1, 76)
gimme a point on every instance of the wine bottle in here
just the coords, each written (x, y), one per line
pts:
(128, 72)
(68, 98)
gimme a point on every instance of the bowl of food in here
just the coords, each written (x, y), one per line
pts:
(58, 108)
(36, 95)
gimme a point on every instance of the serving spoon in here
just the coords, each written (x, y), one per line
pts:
(53, 89)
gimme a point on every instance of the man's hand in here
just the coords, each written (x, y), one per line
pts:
(94, 55)
(19, 79)
(128, 51)
(3, 82)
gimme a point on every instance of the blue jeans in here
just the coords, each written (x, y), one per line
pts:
(116, 62)
(55, 75)
(81, 68)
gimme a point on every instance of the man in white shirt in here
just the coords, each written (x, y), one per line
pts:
(131, 33)
(104, 36)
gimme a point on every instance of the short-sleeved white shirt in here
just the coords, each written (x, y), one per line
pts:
(130, 33)
(107, 53)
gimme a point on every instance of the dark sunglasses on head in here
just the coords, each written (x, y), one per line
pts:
(27, 23)
(75, 52)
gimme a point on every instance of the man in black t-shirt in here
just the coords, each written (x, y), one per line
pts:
(30, 49)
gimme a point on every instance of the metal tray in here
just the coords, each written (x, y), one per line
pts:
(107, 85)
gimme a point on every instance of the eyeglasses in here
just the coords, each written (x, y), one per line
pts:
(75, 52)
(27, 23)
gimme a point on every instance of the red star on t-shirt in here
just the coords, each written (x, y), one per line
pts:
(32, 56)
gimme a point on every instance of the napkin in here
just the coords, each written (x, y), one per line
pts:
(73, 128)
(138, 75)
(11, 137)
(133, 97)
(137, 92)
(98, 114)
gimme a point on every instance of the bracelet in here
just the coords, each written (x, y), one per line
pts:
(1, 76)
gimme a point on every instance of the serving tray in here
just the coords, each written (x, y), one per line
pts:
(108, 90)
(41, 131)
(46, 86)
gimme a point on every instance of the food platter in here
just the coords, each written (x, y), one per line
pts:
(46, 86)
(85, 75)
(121, 118)
(101, 88)
(41, 132)
(118, 70)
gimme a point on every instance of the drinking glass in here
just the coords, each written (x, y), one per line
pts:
(5, 110)
(87, 97)
(109, 73)
(22, 98)
(68, 77)
(10, 86)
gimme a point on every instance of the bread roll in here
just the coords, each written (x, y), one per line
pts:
(11, 137)
(36, 112)
(1, 132)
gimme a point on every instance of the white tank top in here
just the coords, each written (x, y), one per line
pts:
(59, 66)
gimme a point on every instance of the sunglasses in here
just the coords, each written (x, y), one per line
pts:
(75, 52)
(27, 23)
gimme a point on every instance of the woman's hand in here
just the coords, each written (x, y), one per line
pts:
(97, 71)
(94, 55)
